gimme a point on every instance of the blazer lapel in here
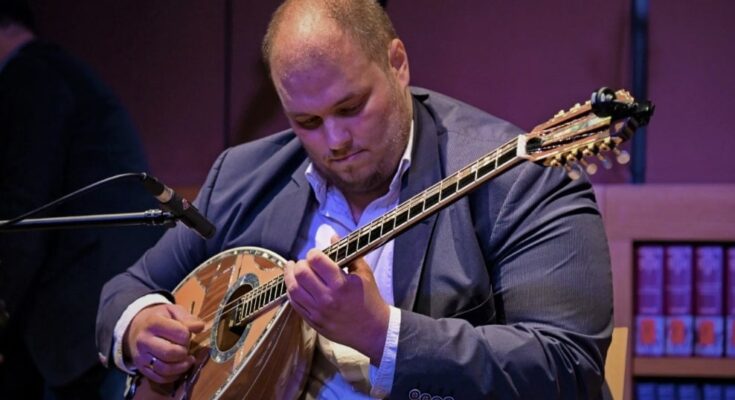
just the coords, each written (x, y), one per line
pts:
(282, 227)
(411, 246)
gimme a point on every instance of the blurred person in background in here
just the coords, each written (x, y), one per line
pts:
(60, 129)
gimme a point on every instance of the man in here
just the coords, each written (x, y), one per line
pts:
(60, 129)
(504, 294)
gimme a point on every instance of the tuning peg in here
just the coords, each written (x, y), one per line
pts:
(591, 168)
(572, 172)
(557, 161)
(621, 156)
(604, 161)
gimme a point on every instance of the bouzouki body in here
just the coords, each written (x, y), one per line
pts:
(273, 350)
(256, 347)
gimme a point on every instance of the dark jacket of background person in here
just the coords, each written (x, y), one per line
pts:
(61, 129)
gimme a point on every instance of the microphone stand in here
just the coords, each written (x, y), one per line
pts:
(153, 217)
(175, 208)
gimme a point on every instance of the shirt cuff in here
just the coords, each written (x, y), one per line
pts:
(122, 325)
(381, 378)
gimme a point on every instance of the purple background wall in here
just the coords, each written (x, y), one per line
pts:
(192, 86)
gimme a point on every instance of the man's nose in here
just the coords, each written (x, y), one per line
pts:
(337, 134)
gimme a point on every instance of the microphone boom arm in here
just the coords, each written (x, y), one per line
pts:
(153, 217)
(175, 208)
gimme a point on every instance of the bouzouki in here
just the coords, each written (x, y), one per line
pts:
(254, 346)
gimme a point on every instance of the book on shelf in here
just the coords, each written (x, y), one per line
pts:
(666, 391)
(709, 296)
(678, 318)
(649, 334)
(645, 391)
(730, 303)
(713, 391)
(729, 391)
(686, 390)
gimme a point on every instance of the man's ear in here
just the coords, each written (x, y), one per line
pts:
(398, 60)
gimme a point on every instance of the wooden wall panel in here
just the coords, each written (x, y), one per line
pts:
(164, 59)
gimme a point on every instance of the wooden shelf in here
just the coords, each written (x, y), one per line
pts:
(684, 367)
(662, 213)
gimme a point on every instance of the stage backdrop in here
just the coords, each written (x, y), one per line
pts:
(190, 73)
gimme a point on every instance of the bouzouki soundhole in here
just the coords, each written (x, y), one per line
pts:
(227, 337)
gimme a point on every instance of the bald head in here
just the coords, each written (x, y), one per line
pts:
(304, 30)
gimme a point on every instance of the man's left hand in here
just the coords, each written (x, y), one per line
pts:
(344, 307)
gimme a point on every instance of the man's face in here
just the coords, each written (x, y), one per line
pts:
(351, 115)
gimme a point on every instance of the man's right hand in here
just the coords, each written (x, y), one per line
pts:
(157, 341)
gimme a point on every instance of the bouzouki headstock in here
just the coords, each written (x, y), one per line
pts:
(587, 130)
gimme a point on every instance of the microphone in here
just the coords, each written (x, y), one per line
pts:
(178, 206)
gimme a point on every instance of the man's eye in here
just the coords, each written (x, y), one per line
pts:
(311, 123)
(351, 110)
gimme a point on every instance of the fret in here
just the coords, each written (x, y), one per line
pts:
(352, 244)
(341, 251)
(275, 293)
(240, 311)
(416, 209)
(363, 240)
(248, 307)
(505, 157)
(449, 190)
(432, 199)
(374, 231)
(487, 168)
(367, 230)
(402, 217)
(466, 180)
(331, 253)
(388, 224)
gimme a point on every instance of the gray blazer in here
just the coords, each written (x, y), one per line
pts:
(505, 294)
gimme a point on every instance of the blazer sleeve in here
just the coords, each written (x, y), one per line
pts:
(546, 253)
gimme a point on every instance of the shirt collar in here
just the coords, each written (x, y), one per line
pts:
(320, 185)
